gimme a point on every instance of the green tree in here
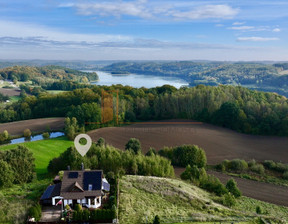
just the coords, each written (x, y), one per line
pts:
(134, 145)
(6, 174)
(27, 133)
(101, 142)
(231, 186)
(46, 135)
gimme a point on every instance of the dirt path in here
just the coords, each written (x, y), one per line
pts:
(35, 125)
(218, 143)
(262, 191)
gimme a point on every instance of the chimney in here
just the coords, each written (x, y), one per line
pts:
(82, 166)
(68, 167)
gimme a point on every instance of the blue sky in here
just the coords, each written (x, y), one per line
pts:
(144, 30)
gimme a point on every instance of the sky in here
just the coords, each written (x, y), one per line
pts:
(221, 30)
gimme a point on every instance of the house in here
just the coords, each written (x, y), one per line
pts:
(84, 187)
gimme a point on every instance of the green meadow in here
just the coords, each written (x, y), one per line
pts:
(44, 151)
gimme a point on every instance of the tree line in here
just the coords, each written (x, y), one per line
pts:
(238, 108)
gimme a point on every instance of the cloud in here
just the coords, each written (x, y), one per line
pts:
(206, 11)
(241, 28)
(276, 30)
(238, 23)
(257, 39)
(154, 10)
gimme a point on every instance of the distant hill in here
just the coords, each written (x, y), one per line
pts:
(45, 73)
(260, 76)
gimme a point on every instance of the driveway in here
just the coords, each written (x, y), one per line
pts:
(51, 213)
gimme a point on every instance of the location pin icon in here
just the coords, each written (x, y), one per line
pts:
(82, 149)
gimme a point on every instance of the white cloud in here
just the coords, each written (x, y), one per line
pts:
(241, 28)
(27, 30)
(206, 11)
(257, 39)
(276, 30)
(153, 10)
(238, 23)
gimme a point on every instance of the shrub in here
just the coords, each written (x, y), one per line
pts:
(46, 135)
(259, 210)
(258, 168)
(27, 133)
(35, 212)
(214, 185)
(85, 215)
(78, 207)
(231, 186)
(156, 220)
(238, 165)
(251, 163)
(285, 175)
(151, 152)
(101, 142)
(229, 200)
(134, 145)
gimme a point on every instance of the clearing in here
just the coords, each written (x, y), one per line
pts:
(44, 151)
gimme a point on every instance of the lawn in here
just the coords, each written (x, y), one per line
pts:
(44, 151)
(56, 91)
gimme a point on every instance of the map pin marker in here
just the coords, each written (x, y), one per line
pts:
(82, 149)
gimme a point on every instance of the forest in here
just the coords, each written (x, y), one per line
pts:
(260, 76)
(45, 74)
(237, 108)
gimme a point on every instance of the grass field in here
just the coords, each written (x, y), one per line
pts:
(44, 151)
(56, 91)
(175, 201)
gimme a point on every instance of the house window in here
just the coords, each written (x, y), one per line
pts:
(90, 187)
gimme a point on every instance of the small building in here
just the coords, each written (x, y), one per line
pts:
(87, 188)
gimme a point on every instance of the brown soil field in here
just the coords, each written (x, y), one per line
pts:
(262, 191)
(10, 92)
(35, 125)
(218, 143)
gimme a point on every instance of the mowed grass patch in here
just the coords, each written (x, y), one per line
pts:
(44, 151)
(176, 201)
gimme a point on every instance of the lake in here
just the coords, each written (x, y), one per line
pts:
(137, 81)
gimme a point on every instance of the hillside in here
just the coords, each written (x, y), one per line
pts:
(46, 73)
(260, 76)
(141, 198)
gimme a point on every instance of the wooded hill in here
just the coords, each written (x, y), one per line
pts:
(266, 77)
(49, 73)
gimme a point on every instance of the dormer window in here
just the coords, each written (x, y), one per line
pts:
(90, 187)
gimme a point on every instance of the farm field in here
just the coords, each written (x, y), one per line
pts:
(10, 92)
(44, 151)
(35, 125)
(218, 143)
(176, 201)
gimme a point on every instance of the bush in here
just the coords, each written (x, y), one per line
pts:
(238, 165)
(214, 185)
(259, 210)
(229, 200)
(231, 186)
(156, 220)
(151, 152)
(185, 155)
(258, 168)
(101, 142)
(27, 133)
(78, 207)
(285, 175)
(35, 212)
(46, 135)
(134, 145)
